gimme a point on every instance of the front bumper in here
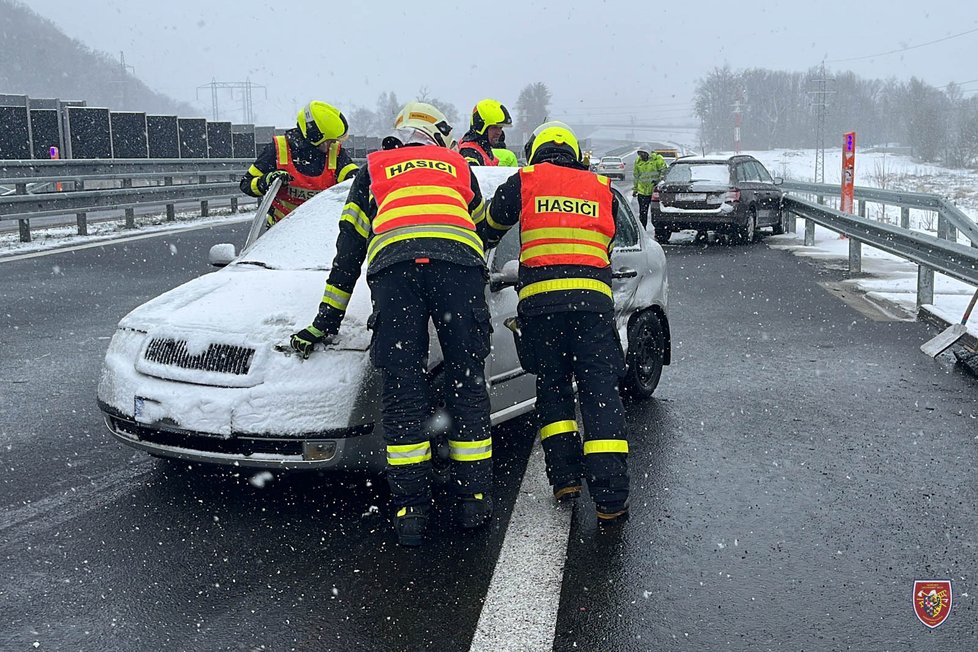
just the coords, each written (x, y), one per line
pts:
(347, 448)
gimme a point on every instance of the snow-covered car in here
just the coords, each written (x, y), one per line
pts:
(612, 167)
(203, 372)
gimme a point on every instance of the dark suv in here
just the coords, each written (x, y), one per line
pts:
(732, 195)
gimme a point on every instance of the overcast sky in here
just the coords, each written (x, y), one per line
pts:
(607, 59)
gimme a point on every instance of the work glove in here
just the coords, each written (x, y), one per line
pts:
(305, 340)
(266, 181)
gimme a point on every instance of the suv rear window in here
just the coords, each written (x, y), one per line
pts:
(692, 172)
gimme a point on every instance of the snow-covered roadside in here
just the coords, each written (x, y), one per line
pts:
(58, 237)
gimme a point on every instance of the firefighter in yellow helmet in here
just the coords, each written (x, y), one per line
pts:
(308, 159)
(485, 131)
(413, 214)
(566, 314)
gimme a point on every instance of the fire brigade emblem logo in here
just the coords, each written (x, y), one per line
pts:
(932, 601)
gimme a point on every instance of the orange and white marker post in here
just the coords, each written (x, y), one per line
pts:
(848, 174)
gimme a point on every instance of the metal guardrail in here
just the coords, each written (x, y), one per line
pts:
(942, 254)
(131, 183)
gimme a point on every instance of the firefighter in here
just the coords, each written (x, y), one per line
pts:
(412, 213)
(647, 173)
(566, 314)
(485, 130)
(505, 156)
(308, 159)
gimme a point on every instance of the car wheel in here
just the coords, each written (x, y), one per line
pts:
(646, 352)
(747, 232)
(781, 226)
(662, 234)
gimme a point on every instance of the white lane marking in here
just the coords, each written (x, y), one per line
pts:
(520, 611)
(110, 240)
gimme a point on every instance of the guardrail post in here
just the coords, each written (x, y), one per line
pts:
(862, 207)
(809, 233)
(25, 230)
(925, 285)
(904, 218)
(81, 219)
(20, 188)
(855, 256)
(942, 227)
(204, 205)
(171, 213)
(234, 200)
(130, 212)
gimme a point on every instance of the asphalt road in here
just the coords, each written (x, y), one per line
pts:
(800, 466)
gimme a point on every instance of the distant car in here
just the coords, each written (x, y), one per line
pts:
(732, 195)
(612, 167)
(204, 372)
(669, 155)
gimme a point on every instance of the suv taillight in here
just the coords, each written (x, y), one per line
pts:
(732, 195)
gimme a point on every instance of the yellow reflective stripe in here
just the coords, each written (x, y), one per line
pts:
(479, 213)
(401, 454)
(493, 223)
(254, 186)
(255, 172)
(384, 216)
(470, 451)
(565, 284)
(334, 151)
(282, 148)
(335, 297)
(420, 191)
(564, 233)
(409, 233)
(568, 426)
(605, 446)
(355, 216)
(565, 248)
(347, 170)
(527, 168)
(603, 179)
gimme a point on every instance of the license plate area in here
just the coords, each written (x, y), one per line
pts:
(691, 196)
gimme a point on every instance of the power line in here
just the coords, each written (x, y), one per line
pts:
(909, 47)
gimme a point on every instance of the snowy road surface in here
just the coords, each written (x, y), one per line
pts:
(801, 465)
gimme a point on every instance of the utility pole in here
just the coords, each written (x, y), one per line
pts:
(738, 111)
(123, 81)
(820, 96)
(247, 105)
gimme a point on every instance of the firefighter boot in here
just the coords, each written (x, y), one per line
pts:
(612, 514)
(410, 524)
(567, 490)
(473, 511)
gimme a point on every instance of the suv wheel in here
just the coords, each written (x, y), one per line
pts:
(747, 232)
(662, 234)
(646, 351)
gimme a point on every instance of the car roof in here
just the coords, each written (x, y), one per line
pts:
(715, 159)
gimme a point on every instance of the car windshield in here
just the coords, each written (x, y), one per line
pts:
(611, 160)
(306, 239)
(704, 172)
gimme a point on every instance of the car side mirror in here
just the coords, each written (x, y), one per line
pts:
(508, 276)
(624, 272)
(220, 255)
(778, 181)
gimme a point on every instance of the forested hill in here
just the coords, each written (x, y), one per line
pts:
(39, 60)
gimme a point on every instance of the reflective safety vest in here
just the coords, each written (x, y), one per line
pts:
(303, 187)
(489, 159)
(566, 221)
(421, 192)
